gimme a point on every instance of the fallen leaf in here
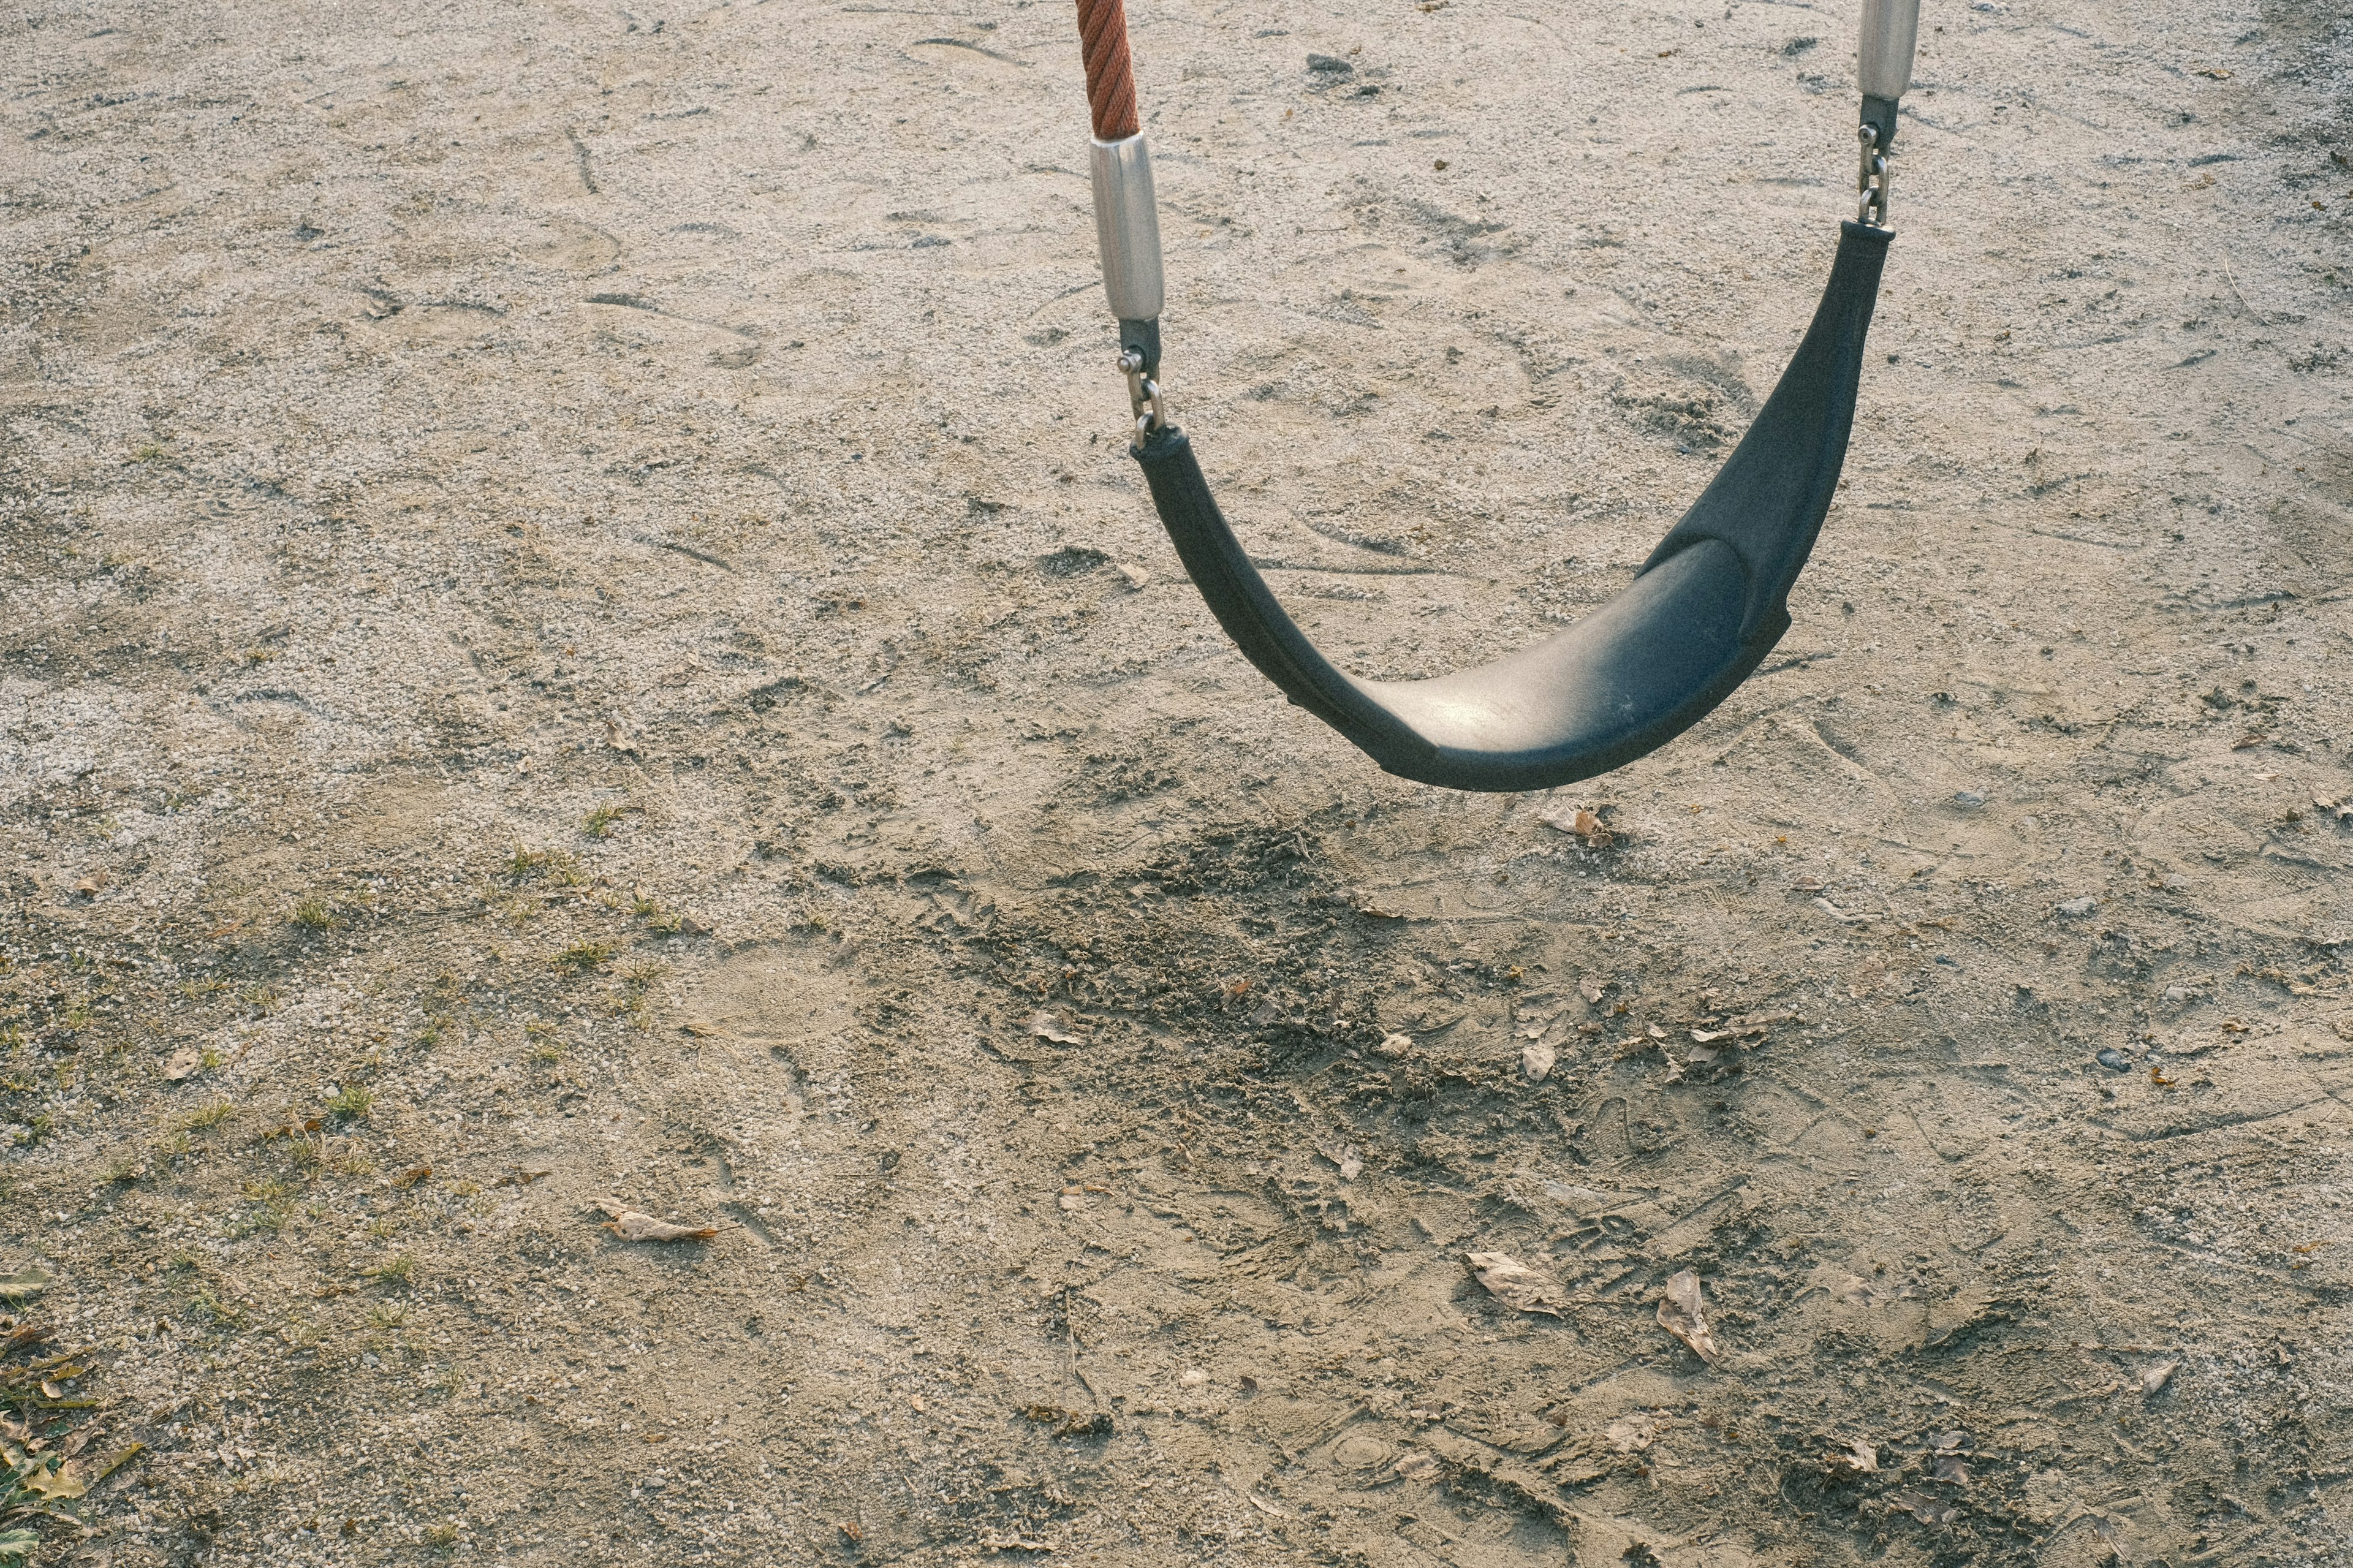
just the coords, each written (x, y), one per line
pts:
(1682, 1314)
(1537, 1061)
(1632, 1434)
(116, 1463)
(1047, 1027)
(1513, 1283)
(29, 1281)
(55, 1486)
(630, 1225)
(1926, 1510)
(2156, 1375)
(1584, 823)
(185, 1061)
(1859, 1459)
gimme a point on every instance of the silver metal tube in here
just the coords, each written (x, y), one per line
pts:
(1127, 227)
(1890, 35)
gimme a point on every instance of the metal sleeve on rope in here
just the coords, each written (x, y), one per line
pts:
(1890, 35)
(1127, 227)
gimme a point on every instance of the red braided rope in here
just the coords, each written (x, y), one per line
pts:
(1110, 78)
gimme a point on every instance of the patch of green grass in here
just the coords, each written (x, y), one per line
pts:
(584, 956)
(352, 1103)
(600, 823)
(656, 917)
(211, 1303)
(315, 914)
(556, 864)
(212, 1113)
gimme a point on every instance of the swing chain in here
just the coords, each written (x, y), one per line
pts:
(1873, 177)
(1144, 396)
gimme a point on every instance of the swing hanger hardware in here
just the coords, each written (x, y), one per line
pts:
(1144, 396)
(1873, 176)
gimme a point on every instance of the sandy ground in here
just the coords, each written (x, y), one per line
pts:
(576, 631)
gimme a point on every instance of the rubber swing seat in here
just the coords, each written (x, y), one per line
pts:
(1703, 612)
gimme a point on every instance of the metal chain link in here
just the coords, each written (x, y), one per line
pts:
(1871, 178)
(1144, 396)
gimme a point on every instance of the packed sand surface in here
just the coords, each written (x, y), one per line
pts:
(583, 654)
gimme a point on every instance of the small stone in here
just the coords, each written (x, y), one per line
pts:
(1537, 1061)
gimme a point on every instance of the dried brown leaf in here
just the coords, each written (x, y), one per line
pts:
(1514, 1282)
(1683, 1314)
(630, 1225)
(1048, 1026)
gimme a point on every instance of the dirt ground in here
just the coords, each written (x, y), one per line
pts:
(578, 633)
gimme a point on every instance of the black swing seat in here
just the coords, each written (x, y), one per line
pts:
(1701, 614)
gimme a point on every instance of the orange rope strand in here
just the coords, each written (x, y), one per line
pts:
(1111, 77)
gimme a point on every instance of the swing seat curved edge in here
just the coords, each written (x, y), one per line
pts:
(1701, 614)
